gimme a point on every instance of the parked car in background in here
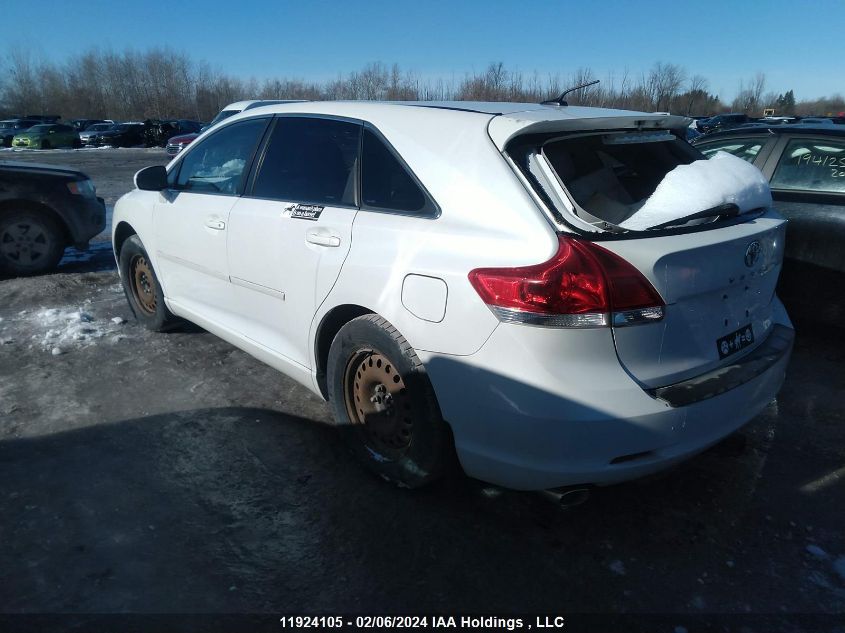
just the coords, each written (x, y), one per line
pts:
(722, 122)
(47, 136)
(448, 278)
(119, 135)
(777, 120)
(157, 132)
(177, 143)
(91, 131)
(805, 167)
(239, 106)
(44, 118)
(43, 210)
(83, 124)
(815, 121)
(10, 127)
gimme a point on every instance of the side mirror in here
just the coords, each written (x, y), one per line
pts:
(152, 178)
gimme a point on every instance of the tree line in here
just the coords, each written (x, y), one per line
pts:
(162, 83)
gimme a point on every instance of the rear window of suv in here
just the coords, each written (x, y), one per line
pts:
(611, 175)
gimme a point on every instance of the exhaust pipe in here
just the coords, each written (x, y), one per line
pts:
(567, 497)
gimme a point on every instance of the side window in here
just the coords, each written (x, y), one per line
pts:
(811, 165)
(744, 148)
(217, 164)
(310, 160)
(386, 183)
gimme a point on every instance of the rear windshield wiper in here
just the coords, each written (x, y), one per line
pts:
(722, 211)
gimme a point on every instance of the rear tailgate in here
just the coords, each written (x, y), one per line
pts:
(719, 289)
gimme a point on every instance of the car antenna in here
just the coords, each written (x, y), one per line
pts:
(560, 100)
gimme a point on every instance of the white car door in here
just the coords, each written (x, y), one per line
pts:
(288, 237)
(191, 219)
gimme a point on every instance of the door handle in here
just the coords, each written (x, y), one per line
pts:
(217, 225)
(322, 240)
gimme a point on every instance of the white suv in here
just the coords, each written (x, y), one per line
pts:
(457, 278)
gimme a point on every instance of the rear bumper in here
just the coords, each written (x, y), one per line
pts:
(559, 410)
(719, 381)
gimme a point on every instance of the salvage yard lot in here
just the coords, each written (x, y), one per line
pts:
(174, 473)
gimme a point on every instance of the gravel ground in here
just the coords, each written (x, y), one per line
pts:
(167, 473)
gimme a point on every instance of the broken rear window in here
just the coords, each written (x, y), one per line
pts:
(636, 181)
(612, 175)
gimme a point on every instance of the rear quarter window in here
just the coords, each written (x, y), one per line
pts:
(386, 182)
(811, 165)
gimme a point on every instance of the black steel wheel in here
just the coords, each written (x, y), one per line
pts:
(142, 288)
(384, 403)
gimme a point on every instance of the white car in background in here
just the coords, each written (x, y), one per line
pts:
(457, 277)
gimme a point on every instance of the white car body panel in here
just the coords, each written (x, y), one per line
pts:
(530, 407)
(280, 273)
(190, 251)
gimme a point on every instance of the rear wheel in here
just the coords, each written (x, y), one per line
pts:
(31, 242)
(385, 405)
(45, 145)
(76, 143)
(142, 289)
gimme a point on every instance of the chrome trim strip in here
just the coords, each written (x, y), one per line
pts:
(243, 283)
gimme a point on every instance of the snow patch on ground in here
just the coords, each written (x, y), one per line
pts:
(60, 330)
(701, 185)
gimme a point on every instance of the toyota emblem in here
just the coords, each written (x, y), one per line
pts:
(752, 253)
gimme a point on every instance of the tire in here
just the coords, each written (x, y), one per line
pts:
(142, 288)
(76, 143)
(31, 243)
(46, 145)
(384, 403)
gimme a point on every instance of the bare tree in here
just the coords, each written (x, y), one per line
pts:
(162, 83)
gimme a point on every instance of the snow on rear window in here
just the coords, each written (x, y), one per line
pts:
(641, 185)
(702, 185)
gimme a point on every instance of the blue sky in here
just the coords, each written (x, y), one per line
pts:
(796, 44)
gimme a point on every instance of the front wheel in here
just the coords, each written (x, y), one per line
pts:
(142, 289)
(31, 242)
(385, 404)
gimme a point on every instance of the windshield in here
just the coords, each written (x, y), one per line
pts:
(40, 128)
(225, 114)
(6, 125)
(99, 127)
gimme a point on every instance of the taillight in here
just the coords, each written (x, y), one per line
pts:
(583, 285)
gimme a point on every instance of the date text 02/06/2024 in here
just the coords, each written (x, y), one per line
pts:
(423, 622)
